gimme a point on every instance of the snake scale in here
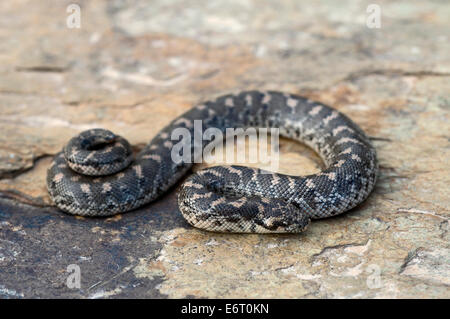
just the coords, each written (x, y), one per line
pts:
(95, 174)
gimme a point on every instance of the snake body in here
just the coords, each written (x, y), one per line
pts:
(95, 175)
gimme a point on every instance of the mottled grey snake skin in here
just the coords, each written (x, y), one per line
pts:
(223, 198)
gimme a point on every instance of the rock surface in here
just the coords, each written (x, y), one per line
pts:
(132, 67)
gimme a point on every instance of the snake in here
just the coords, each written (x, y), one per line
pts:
(96, 173)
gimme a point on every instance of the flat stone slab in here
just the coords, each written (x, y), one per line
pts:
(132, 68)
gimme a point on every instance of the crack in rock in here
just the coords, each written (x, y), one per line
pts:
(428, 265)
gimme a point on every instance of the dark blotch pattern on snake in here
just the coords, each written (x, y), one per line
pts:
(223, 198)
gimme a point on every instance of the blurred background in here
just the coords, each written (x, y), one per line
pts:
(133, 66)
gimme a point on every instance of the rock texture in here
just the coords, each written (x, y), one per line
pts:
(133, 66)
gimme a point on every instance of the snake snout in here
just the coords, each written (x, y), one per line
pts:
(98, 152)
(280, 216)
(210, 204)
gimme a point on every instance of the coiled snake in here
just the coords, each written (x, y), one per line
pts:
(95, 174)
